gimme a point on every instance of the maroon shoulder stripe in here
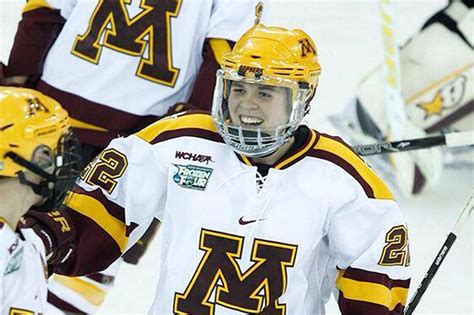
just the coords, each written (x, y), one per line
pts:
(113, 209)
(188, 132)
(328, 156)
(353, 307)
(63, 305)
(375, 277)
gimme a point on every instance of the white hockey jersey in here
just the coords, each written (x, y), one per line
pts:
(23, 284)
(323, 221)
(151, 49)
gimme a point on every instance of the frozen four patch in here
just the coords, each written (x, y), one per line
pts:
(192, 176)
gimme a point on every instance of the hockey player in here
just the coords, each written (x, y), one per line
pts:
(438, 91)
(260, 214)
(116, 66)
(38, 164)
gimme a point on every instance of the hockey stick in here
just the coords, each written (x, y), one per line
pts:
(394, 104)
(453, 139)
(463, 217)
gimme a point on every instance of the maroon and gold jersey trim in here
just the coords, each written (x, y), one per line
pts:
(96, 208)
(288, 161)
(300, 154)
(193, 124)
(361, 289)
(334, 150)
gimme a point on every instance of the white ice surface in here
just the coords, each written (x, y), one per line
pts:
(347, 34)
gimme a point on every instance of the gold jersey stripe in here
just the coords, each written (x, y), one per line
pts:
(371, 292)
(90, 292)
(381, 191)
(197, 121)
(83, 125)
(95, 210)
(36, 4)
(219, 47)
(298, 154)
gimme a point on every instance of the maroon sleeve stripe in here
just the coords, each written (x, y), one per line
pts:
(63, 305)
(375, 277)
(113, 209)
(328, 156)
(352, 307)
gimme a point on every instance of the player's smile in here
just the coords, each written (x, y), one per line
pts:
(250, 120)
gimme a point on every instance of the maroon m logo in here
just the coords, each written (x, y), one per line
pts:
(146, 35)
(254, 291)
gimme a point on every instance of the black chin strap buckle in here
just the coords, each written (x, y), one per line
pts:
(43, 188)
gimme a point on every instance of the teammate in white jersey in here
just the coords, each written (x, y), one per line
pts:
(259, 213)
(438, 90)
(38, 164)
(117, 66)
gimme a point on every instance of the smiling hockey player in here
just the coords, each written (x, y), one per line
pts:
(279, 216)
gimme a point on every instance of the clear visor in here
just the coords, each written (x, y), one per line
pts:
(257, 115)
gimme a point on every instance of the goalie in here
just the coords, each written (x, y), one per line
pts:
(438, 91)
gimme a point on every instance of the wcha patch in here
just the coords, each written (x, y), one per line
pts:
(192, 176)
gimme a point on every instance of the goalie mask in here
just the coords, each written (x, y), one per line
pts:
(264, 88)
(35, 137)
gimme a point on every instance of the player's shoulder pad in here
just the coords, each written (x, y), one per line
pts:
(197, 124)
(335, 150)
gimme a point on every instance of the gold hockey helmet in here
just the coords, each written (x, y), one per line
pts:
(35, 135)
(271, 56)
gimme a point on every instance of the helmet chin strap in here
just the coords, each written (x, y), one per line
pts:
(44, 187)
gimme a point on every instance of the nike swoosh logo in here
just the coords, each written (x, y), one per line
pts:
(244, 222)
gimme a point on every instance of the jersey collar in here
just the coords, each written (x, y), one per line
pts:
(293, 156)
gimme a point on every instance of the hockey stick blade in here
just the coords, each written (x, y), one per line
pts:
(454, 139)
(463, 217)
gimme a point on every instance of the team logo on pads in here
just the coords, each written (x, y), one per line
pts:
(192, 176)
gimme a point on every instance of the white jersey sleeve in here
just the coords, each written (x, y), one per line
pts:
(368, 240)
(22, 274)
(113, 202)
